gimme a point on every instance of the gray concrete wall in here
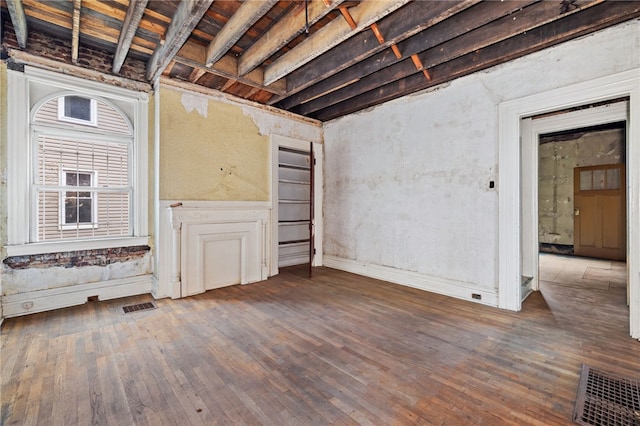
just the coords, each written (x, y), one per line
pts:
(555, 178)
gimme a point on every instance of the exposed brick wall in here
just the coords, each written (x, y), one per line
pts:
(69, 259)
(60, 50)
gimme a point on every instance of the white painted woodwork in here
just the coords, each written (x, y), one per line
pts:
(26, 92)
(530, 131)
(215, 244)
(288, 256)
(407, 182)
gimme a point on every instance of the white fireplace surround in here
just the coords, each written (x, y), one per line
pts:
(209, 244)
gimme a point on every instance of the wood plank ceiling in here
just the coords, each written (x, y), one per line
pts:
(319, 58)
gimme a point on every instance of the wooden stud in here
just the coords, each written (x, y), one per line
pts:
(347, 17)
(282, 32)
(418, 63)
(228, 84)
(380, 38)
(238, 24)
(196, 74)
(411, 20)
(75, 32)
(128, 31)
(396, 51)
(185, 19)
(19, 20)
(331, 35)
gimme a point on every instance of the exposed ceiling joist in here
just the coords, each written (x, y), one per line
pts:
(404, 23)
(566, 28)
(193, 55)
(75, 31)
(329, 36)
(19, 20)
(467, 20)
(285, 30)
(184, 21)
(240, 22)
(535, 15)
(130, 25)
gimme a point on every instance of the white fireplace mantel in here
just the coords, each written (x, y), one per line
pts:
(211, 244)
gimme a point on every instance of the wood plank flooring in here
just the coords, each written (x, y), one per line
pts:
(337, 349)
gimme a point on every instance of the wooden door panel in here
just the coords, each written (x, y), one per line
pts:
(587, 232)
(600, 216)
(611, 222)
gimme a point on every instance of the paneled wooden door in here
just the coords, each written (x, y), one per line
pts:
(600, 211)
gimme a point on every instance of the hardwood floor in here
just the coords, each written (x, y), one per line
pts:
(337, 349)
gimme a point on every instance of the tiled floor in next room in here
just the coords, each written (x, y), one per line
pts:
(582, 272)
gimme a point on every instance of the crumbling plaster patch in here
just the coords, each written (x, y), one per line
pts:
(17, 281)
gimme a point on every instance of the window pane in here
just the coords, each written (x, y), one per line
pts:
(84, 179)
(71, 210)
(613, 179)
(585, 180)
(72, 179)
(77, 107)
(599, 178)
(84, 210)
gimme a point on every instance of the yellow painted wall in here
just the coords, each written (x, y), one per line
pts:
(219, 157)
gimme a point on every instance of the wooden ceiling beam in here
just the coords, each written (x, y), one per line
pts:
(247, 15)
(347, 17)
(285, 30)
(564, 29)
(334, 33)
(75, 31)
(185, 19)
(19, 21)
(193, 55)
(468, 20)
(512, 24)
(129, 27)
(402, 24)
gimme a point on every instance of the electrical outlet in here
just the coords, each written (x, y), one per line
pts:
(27, 305)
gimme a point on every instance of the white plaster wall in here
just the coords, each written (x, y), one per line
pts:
(407, 182)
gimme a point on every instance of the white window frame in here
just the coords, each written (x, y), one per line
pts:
(63, 197)
(93, 120)
(24, 91)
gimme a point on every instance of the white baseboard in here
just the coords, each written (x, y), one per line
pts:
(444, 286)
(45, 300)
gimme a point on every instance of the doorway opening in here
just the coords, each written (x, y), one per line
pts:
(582, 224)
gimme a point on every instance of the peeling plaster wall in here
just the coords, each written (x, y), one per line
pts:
(555, 177)
(3, 157)
(212, 148)
(407, 183)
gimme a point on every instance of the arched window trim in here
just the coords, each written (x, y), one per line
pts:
(25, 91)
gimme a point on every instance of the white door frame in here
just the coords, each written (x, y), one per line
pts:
(512, 214)
(276, 142)
(530, 134)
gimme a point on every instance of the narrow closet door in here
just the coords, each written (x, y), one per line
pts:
(294, 207)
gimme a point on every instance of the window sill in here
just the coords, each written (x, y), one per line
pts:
(62, 246)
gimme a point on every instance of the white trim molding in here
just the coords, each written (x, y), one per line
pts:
(443, 286)
(45, 300)
(186, 226)
(510, 151)
(25, 92)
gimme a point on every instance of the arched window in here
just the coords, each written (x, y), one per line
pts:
(77, 164)
(81, 166)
